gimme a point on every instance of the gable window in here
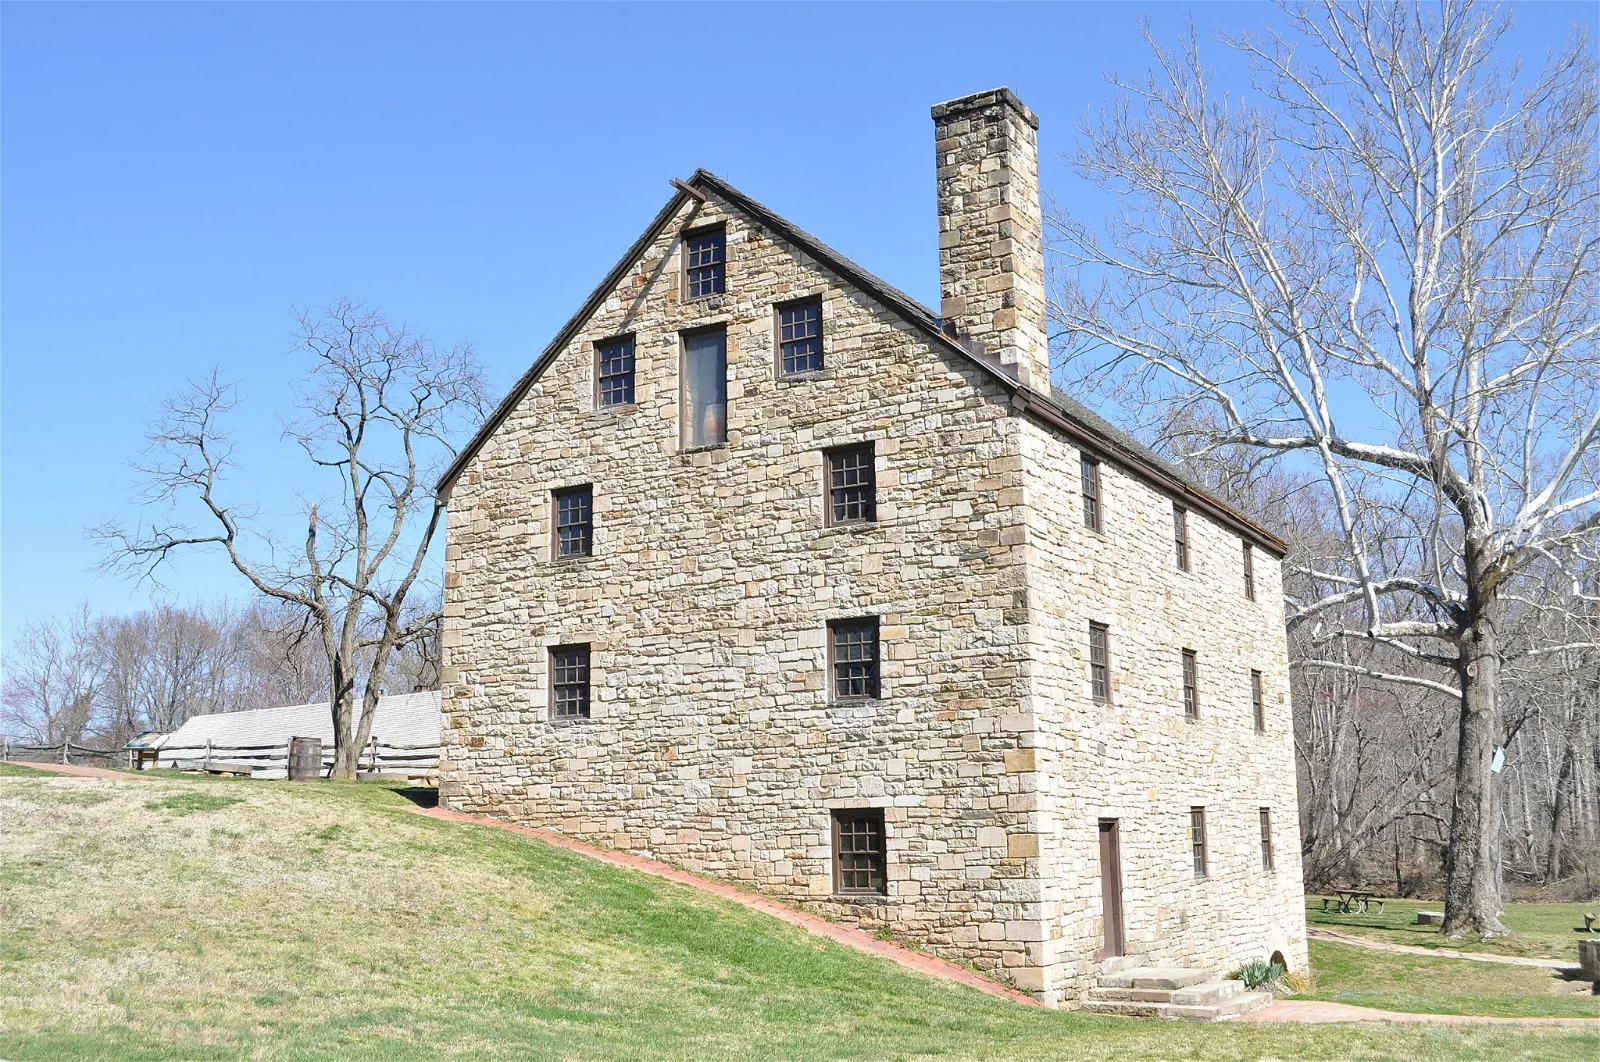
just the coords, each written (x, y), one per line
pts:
(1091, 494)
(1180, 535)
(852, 485)
(705, 388)
(1191, 685)
(1257, 703)
(1266, 839)
(1099, 662)
(1249, 573)
(704, 258)
(574, 524)
(853, 658)
(860, 863)
(800, 337)
(1197, 840)
(569, 682)
(614, 371)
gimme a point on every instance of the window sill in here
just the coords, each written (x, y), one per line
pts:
(804, 377)
(864, 899)
(686, 450)
(562, 723)
(574, 558)
(615, 408)
(854, 526)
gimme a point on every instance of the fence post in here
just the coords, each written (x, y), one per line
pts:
(8, 749)
(64, 745)
(208, 754)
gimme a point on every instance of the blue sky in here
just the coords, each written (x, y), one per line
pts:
(176, 177)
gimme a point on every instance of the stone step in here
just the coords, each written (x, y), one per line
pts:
(1126, 1008)
(1137, 995)
(1209, 992)
(1164, 977)
(1223, 1010)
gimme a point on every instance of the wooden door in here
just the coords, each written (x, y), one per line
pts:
(1111, 887)
(305, 759)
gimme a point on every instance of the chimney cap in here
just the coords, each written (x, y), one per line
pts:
(980, 100)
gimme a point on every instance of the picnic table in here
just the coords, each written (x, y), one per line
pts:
(1352, 901)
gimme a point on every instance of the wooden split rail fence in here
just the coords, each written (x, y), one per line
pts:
(376, 756)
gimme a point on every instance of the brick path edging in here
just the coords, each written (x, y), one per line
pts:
(821, 927)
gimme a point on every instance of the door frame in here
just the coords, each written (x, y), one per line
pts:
(1114, 935)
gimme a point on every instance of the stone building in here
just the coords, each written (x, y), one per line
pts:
(769, 571)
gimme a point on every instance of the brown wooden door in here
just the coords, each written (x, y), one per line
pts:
(1111, 887)
(305, 759)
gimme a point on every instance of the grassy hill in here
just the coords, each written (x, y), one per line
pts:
(178, 917)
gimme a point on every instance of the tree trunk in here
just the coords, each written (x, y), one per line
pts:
(1472, 871)
(1552, 858)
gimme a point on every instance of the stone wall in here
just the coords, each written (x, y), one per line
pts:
(713, 743)
(1138, 759)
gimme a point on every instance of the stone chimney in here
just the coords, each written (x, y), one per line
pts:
(991, 237)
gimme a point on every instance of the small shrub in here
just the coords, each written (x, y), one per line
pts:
(1259, 973)
(1296, 982)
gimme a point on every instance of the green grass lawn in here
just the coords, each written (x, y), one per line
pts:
(196, 918)
(1540, 930)
(1423, 984)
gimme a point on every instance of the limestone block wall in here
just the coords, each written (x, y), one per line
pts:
(713, 743)
(1138, 760)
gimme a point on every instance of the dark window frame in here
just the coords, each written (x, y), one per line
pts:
(845, 488)
(1249, 572)
(1191, 685)
(782, 345)
(1197, 842)
(685, 417)
(604, 390)
(569, 680)
(855, 671)
(1258, 702)
(716, 269)
(1268, 862)
(1100, 672)
(1180, 537)
(862, 828)
(1093, 495)
(582, 529)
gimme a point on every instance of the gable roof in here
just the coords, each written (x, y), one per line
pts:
(1083, 427)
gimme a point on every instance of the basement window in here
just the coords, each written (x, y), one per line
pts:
(704, 259)
(569, 682)
(860, 863)
(800, 337)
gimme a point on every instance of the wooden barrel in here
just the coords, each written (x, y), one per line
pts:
(305, 759)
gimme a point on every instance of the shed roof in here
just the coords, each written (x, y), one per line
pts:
(402, 719)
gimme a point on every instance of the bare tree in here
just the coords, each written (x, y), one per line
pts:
(378, 406)
(54, 674)
(1385, 273)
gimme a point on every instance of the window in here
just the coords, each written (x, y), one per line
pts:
(569, 682)
(614, 372)
(1180, 535)
(574, 522)
(1091, 495)
(800, 337)
(703, 262)
(1266, 839)
(1191, 685)
(859, 861)
(853, 658)
(705, 388)
(1257, 705)
(1249, 573)
(1197, 839)
(1099, 661)
(852, 486)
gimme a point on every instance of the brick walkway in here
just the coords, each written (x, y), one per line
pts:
(1320, 1012)
(1440, 953)
(850, 938)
